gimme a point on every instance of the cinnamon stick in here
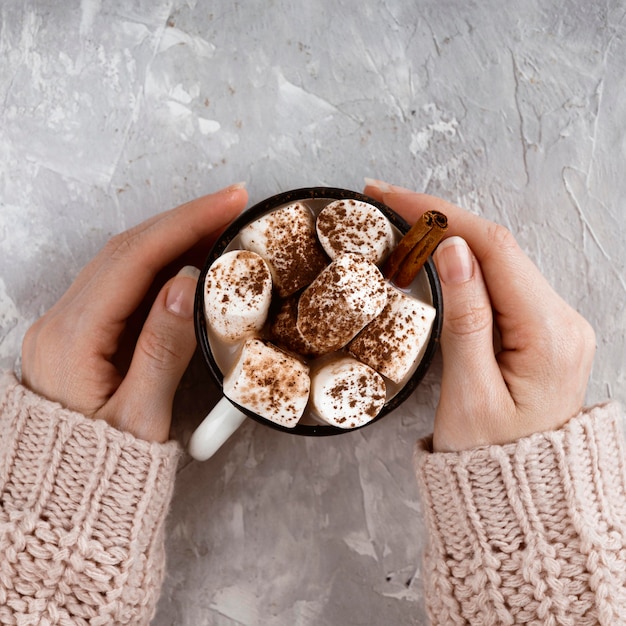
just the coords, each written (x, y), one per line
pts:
(412, 251)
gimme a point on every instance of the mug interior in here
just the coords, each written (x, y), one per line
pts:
(268, 205)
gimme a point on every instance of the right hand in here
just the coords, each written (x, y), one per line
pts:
(536, 380)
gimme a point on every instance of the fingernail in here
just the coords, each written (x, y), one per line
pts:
(234, 187)
(378, 184)
(182, 292)
(384, 187)
(455, 262)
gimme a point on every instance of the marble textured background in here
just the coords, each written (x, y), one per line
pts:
(113, 110)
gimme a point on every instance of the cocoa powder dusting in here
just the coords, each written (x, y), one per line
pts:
(357, 394)
(348, 226)
(345, 297)
(390, 343)
(272, 384)
(294, 250)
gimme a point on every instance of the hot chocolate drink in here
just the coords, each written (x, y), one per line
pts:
(338, 340)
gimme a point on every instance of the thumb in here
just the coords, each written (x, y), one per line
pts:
(472, 387)
(142, 405)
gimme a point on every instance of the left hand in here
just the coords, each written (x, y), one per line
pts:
(75, 354)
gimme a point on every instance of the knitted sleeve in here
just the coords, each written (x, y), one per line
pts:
(82, 507)
(530, 532)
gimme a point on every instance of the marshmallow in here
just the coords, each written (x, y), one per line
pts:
(284, 330)
(269, 382)
(353, 226)
(345, 297)
(237, 295)
(286, 239)
(347, 393)
(395, 341)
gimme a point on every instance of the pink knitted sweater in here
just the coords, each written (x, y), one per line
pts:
(532, 532)
(82, 507)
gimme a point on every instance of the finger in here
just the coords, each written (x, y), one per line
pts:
(498, 254)
(471, 382)
(126, 266)
(142, 405)
(477, 231)
(412, 205)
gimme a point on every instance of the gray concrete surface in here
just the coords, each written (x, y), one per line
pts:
(112, 110)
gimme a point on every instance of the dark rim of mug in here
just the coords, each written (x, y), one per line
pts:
(265, 206)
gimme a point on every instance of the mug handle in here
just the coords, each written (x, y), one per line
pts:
(223, 420)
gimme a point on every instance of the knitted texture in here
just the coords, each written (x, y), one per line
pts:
(82, 507)
(530, 532)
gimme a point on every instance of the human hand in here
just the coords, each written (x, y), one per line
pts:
(77, 353)
(536, 380)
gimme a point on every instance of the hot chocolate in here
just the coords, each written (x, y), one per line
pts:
(334, 320)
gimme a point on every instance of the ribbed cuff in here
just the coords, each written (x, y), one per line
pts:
(530, 529)
(88, 500)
